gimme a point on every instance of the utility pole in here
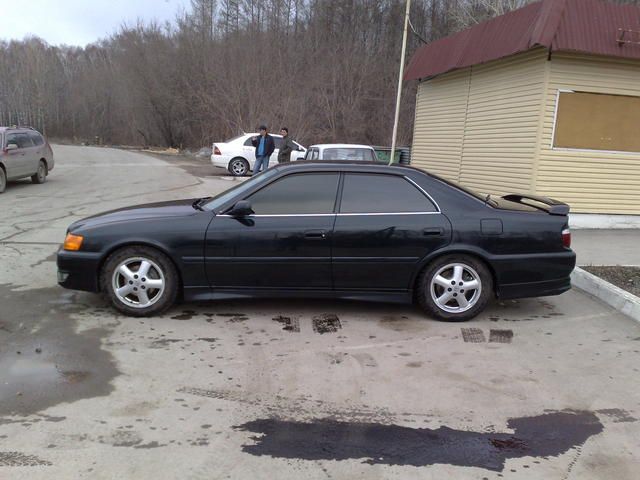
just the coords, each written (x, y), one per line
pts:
(397, 115)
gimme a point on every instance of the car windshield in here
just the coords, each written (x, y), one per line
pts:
(358, 154)
(219, 200)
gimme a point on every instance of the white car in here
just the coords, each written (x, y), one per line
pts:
(341, 151)
(238, 155)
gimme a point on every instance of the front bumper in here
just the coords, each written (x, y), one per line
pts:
(79, 270)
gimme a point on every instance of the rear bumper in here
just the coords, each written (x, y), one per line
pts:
(535, 289)
(220, 161)
(78, 270)
(534, 275)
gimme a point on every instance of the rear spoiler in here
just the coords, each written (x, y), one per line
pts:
(553, 207)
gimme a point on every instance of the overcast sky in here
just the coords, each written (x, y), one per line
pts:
(78, 22)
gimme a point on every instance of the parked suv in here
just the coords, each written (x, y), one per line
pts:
(25, 153)
(238, 155)
(341, 151)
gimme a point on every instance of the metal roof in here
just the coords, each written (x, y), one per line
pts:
(582, 26)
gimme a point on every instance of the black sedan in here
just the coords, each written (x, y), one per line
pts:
(328, 230)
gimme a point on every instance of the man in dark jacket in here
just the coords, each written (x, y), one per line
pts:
(284, 155)
(264, 148)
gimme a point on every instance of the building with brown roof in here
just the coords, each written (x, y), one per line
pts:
(544, 99)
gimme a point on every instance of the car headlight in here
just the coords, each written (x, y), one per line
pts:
(73, 242)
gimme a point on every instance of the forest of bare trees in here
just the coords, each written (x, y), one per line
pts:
(325, 68)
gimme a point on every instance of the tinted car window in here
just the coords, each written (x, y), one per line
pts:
(357, 154)
(21, 139)
(278, 142)
(248, 142)
(297, 194)
(36, 138)
(371, 193)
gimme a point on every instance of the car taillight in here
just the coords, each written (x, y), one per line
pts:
(216, 151)
(566, 238)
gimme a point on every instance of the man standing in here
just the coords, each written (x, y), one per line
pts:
(264, 148)
(284, 155)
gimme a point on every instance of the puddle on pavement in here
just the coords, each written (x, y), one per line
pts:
(546, 435)
(43, 360)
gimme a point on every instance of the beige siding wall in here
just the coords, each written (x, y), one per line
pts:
(480, 126)
(441, 107)
(502, 124)
(590, 181)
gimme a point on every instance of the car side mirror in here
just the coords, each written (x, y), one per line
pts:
(241, 209)
(11, 146)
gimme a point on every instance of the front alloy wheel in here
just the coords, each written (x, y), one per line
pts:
(455, 288)
(238, 167)
(140, 281)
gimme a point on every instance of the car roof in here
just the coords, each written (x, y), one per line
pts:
(340, 145)
(347, 165)
(18, 128)
(257, 133)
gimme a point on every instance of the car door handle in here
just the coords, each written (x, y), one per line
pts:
(432, 232)
(315, 234)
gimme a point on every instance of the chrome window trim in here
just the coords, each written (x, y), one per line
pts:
(425, 193)
(387, 213)
(331, 214)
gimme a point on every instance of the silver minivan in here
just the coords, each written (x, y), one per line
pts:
(25, 153)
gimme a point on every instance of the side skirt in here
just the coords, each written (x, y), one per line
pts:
(193, 294)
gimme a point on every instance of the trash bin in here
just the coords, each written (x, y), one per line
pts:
(402, 155)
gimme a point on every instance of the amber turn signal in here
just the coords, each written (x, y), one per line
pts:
(73, 242)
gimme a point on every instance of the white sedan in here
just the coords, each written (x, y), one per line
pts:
(238, 155)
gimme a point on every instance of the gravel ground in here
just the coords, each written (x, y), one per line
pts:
(627, 278)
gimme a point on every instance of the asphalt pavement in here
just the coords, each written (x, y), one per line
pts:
(289, 389)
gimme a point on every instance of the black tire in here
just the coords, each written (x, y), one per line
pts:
(41, 175)
(3, 180)
(161, 269)
(238, 167)
(442, 300)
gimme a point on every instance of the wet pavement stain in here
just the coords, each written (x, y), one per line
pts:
(56, 364)
(185, 315)
(546, 435)
(472, 335)
(164, 342)
(500, 336)
(289, 324)
(326, 323)
(17, 459)
(617, 415)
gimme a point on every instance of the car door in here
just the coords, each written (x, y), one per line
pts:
(286, 243)
(38, 148)
(249, 151)
(16, 160)
(299, 153)
(386, 224)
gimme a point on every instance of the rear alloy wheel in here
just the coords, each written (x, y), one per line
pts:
(238, 167)
(140, 281)
(455, 288)
(41, 175)
(3, 180)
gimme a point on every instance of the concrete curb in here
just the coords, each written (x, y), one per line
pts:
(616, 297)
